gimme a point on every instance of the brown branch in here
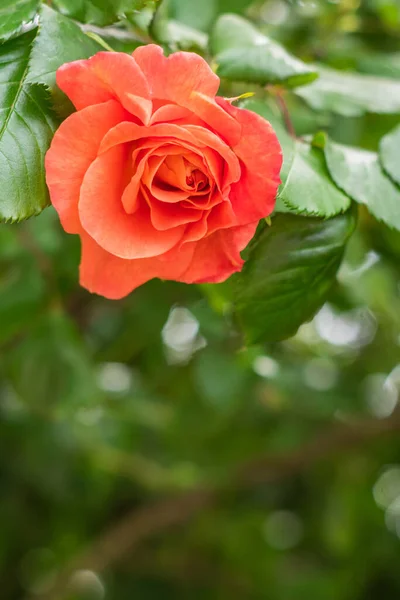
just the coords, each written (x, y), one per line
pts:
(141, 524)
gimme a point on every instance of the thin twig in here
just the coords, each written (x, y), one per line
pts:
(285, 113)
(139, 525)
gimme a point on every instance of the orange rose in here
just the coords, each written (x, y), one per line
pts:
(158, 176)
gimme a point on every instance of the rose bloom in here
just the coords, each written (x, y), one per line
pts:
(157, 175)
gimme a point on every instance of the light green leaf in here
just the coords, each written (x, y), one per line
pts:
(389, 152)
(14, 14)
(352, 94)
(27, 121)
(96, 12)
(242, 53)
(360, 175)
(167, 30)
(307, 185)
(289, 274)
(382, 64)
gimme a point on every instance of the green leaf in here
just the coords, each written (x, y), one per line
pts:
(360, 175)
(382, 64)
(307, 185)
(389, 152)
(289, 274)
(242, 53)
(14, 14)
(27, 121)
(352, 94)
(167, 30)
(58, 40)
(96, 12)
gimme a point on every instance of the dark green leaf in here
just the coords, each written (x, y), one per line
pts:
(352, 94)
(289, 273)
(58, 41)
(389, 152)
(360, 175)
(242, 53)
(27, 121)
(14, 14)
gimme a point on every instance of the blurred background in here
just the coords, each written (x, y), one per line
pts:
(144, 456)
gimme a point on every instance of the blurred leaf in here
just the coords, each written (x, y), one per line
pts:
(167, 30)
(307, 185)
(13, 14)
(389, 153)
(290, 271)
(382, 64)
(98, 12)
(242, 53)
(50, 368)
(27, 121)
(359, 174)
(196, 15)
(352, 94)
(21, 295)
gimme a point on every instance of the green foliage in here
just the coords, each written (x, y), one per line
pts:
(27, 121)
(168, 30)
(27, 126)
(359, 174)
(289, 274)
(307, 185)
(13, 14)
(352, 94)
(118, 418)
(242, 53)
(389, 154)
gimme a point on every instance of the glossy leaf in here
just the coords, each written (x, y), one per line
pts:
(58, 40)
(389, 151)
(27, 120)
(359, 173)
(14, 14)
(289, 273)
(242, 53)
(352, 94)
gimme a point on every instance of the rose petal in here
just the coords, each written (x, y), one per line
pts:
(106, 76)
(253, 196)
(102, 214)
(73, 148)
(226, 172)
(128, 132)
(105, 274)
(217, 257)
(169, 113)
(175, 77)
